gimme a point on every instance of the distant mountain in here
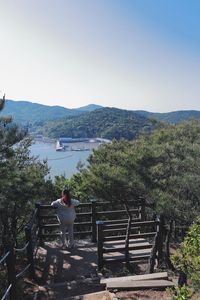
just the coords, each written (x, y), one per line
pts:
(28, 112)
(89, 121)
(90, 107)
(173, 117)
(25, 112)
(106, 123)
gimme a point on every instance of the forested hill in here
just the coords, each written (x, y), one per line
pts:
(106, 123)
(173, 117)
(27, 112)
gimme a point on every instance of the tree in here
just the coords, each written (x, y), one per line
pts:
(22, 180)
(163, 168)
(175, 173)
(112, 176)
(187, 260)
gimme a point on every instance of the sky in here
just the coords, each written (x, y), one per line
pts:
(130, 54)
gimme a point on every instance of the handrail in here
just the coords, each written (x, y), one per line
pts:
(138, 202)
(117, 211)
(45, 206)
(49, 206)
(4, 257)
(23, 271)
(22, 249)
(6, 292)
(10, 258)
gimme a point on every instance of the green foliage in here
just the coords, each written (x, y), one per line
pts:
(22, 181)
(111, 174)
(175, 173)
(174, 117)
(187, 257)
(72, 183)
(106, 123)
(187, 260)
(180, 293)
(163, 167)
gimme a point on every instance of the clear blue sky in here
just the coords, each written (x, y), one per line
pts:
(132, 54)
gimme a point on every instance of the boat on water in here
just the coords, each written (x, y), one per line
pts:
(59, 147)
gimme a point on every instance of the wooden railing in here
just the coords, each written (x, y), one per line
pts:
(86, 216)
(27, 252)
(44, 222)
(111, 238)
(100, 221)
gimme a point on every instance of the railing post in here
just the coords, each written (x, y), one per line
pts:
(10, 263)
(30, 251)
(37, 205)
(154, 250)
(100, 225)
(182, 279)
(142, 215)
(142, 209)
(168, 262)
(162, 232)
(94, 218)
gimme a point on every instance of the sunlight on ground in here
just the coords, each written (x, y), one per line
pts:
(76, 257)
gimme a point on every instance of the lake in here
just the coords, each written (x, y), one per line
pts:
(61, 163)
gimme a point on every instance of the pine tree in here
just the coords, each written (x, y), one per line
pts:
(22, 180)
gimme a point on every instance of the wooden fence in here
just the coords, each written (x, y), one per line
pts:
(86, 217)
(14, 271)
(42, 227)
(111, 241)
(95, 220)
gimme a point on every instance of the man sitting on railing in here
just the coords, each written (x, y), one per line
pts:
(66, 215)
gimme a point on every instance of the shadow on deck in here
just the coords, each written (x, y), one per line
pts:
(66, 273)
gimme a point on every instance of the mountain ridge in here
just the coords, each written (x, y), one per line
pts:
(29, 112)
(25, 111)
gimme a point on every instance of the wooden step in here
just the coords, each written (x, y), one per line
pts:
(160, 275)
(139, 284)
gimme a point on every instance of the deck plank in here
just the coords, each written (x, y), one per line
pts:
(139, 284)
(160, 275)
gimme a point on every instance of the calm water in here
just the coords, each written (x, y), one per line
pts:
(59, 162)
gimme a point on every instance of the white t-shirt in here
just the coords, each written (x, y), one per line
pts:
(66, 214)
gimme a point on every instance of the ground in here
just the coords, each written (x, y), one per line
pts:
(64, 274)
